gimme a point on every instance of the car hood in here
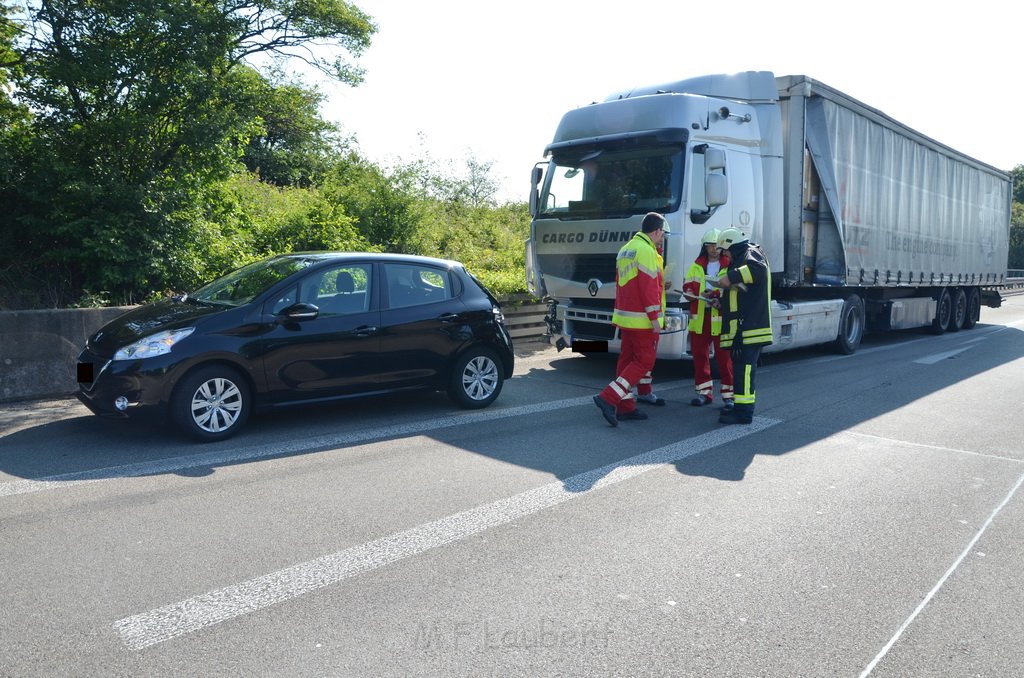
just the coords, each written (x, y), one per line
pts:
(167, 314)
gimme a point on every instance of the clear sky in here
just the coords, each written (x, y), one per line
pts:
(454, 78)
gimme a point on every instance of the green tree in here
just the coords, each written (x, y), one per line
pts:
(1016, 259)
(385, 203)
(141, 107)
(1017, 175)
(293, 145)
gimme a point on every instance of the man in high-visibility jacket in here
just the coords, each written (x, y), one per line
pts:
(747, 317)
(705, 326)
(639, 314)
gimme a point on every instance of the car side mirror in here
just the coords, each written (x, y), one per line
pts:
(298, 312)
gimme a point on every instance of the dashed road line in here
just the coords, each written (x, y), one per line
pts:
(939, 448)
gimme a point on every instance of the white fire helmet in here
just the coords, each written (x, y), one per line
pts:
(729, 237)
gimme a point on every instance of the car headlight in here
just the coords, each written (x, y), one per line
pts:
(154, 345)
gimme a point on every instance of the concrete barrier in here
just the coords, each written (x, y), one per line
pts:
(39, 349)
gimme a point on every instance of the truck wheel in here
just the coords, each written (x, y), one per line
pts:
(943, 312)
(958, 309)
(973, 308)
(851, 325)
(211, 403)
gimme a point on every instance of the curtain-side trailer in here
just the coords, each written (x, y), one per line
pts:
(867, 224)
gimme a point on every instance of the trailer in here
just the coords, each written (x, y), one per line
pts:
(868, 225)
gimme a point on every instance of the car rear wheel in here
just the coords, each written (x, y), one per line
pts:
(211, 403)
(477, 379)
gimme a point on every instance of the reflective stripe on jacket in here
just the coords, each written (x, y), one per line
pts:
(694, 286)
(639, 292)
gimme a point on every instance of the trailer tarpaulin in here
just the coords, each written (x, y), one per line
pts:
(904, 207)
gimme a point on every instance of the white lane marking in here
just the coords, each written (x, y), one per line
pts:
(937, 357)
(249, 453)
(170, 621)
(980, 334)
(935, 589)
(939, 448)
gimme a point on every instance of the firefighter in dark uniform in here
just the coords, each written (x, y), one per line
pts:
(746, 316)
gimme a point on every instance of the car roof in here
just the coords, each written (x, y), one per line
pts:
(320, 256)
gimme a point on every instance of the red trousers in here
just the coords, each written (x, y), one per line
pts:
(639, 351)
(700, 347)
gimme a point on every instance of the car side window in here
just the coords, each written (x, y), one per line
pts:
(284, 300)
(416, 285)
(339, 290)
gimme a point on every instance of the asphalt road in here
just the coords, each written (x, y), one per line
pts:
(870, 522)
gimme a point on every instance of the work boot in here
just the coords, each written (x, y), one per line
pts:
(634, 414)
(651, 399)
(735, 416)
(701, 400)
(607, 409)
(727, 405)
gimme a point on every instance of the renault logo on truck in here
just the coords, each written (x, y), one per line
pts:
(593, 286)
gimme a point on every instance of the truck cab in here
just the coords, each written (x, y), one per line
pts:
(696, 158)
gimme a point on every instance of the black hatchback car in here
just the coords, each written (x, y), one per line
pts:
(300, 328)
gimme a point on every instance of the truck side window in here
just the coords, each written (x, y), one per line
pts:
(566, 187)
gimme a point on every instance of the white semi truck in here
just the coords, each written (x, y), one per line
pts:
(867, 224)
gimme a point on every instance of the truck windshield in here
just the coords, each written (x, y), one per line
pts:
(593, 183)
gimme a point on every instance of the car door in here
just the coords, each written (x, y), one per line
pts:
(336, 353)
(423, 324)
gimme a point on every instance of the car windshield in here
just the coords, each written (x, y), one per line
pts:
(612, 183)
(242, 286)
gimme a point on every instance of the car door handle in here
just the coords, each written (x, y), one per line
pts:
(448, 317)
(365, 331)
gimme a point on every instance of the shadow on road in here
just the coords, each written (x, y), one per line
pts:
(62, 443)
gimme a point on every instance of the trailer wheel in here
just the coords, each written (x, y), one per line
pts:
(943, 312)
(958, 310)
(851, 325)
(973, 308)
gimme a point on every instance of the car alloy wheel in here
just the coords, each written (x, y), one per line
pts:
(477, 379)
(212, 403)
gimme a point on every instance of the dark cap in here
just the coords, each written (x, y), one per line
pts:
(652, 222)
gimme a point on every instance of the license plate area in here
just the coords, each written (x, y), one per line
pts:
(86, 373)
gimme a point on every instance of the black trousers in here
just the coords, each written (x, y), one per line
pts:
(744, 368)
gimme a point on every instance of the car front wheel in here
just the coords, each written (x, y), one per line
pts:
(211, 404)
(477, 379)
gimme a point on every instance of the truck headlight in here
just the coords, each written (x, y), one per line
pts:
(673, 323)
(153, 345)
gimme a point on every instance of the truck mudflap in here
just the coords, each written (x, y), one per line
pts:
(991, 298)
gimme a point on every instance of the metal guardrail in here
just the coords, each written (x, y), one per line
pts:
(1014, 282)
(524, 317)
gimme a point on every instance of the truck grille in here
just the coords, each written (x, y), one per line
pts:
(591, 330)
(579, 268)
(589, 323)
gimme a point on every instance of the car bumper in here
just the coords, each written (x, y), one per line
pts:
(129, 388)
